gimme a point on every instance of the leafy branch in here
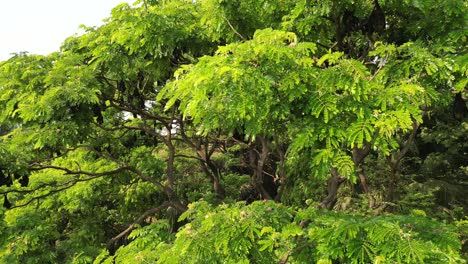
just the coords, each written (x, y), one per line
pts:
(137, 222)
(63, 186)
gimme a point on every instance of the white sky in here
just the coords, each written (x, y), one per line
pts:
(40, 26)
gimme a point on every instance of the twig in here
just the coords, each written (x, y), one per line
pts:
(381, 65)
(138, 221)
(67, 185)
(188, 157)
(233, 29)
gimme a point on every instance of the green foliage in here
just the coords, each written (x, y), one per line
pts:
(175, 108)
(267, 232)
(144, 241)
(230, 77)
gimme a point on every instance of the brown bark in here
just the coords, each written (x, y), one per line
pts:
(281, 173)
(257, 162)
(212, 172)
(170, 158)
(365, 186)
(204, 153)
(394, 161)
(333, 185)
(358, 155)
(213, 169)
(217, 186)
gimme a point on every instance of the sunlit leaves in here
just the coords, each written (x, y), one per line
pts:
(280, 71)
(360, 133)
(266, 232)
(345, 166)
(244, 84)
(241, 231)
(245, 17)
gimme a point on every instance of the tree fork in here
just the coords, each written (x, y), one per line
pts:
(333, 184)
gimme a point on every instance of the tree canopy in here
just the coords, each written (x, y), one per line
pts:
(240, 131)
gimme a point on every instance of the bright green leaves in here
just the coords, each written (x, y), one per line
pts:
(243, 234)
(359, 133)
(141, 46)
(154, 30)
(48, 88)
(462, 69)
(314, 94)
(26, 235)
(270, 36)
(394, 238)
(345, 166)
(330, 57)
(244, 85)
(144, 241)
(414, 64)
(57, 90)
(324, 159)
(22, 79)
(238, 20)
(257, 85)
(324, 105)
(74, 210)
(266, 232)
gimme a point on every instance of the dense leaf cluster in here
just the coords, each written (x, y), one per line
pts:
(151, 138)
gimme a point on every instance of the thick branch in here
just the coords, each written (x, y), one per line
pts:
(400, 154)
(43, 196)
(394, 161)
(66, 185)
(333, 185)
(168, 191)
(281, 171)
(151, 180)
(78, 172)
(146, 129)
(188, 157)
(258, 174)
(63, 186)
(171, 157)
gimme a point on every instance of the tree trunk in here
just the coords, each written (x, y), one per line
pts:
(258, 165)
(358, 155)
(281, 173)
(204, 155)
(170, 159)
(333, 185)
(394, 161)
(394, 179)
(212, 171)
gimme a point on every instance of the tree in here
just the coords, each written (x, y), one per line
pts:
(135, 140)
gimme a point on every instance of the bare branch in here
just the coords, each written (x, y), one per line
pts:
(233, 29)
(61, 187)
(43, 196)
(188, 157)
(408, 141)
(71, 172)
(123, 107)
(66, 185)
